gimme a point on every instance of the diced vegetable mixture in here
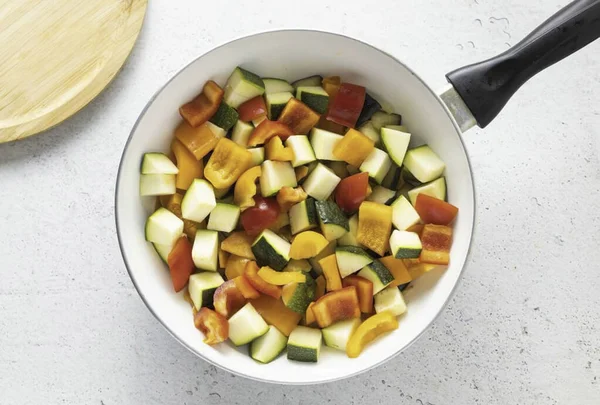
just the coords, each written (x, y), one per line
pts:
(295, 214)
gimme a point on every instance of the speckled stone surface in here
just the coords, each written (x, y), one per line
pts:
(522, 329)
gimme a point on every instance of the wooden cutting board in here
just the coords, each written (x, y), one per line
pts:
(57, 55)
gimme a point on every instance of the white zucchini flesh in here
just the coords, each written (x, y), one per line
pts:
(163, 227)
(390, 299)
(206, 249)
(198, 201)
(321, 182)
(157, 163)
(246, 325)
(323, 143)
(157, 184)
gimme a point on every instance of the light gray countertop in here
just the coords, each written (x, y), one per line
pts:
(523, 327)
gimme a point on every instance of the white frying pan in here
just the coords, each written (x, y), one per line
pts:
(475, 96)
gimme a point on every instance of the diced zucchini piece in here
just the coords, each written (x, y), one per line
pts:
(303, 151)
(276, 175)
(315, 80)
(246, 325)
(302, 265)
(222, 192)
(276, 86)
(349, 238)
(157, 163)
(370, 107)
(405, 245)
(241, 133)
(323, 143)
(352, 170)
(340, 169)
(338, 334)
(395, 143)
(163, 227)
(206, 250)
(350, 259)
(381, 119)
(202, 287)
(377, 164)
(392, 179)
(436, 188)
(304, 344)
(390, 299)
(276, 102)
(218, 131)
(241, 86)
(266, 348)
(329, 250)
(258, 155)
(303, 216)
(198, 201)
(377, 274)
(298, 296)
(369, 130)
(408, 177)
(400, 128)
(332, 220)
(271, 250)
(320, 183)
(157, 184)
(224, 217)
(381, 195)
(163, 251)
(404, 215)
(225, 117)
(424, 164)
(313, 96)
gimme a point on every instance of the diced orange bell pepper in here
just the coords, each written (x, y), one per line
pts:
(369, 330)
(435, 211)
(353, 148)
(307, 244)
(374, 226)
(287, 197)
(236, 266)
(309, 317)
(416, 269)
(239, 244)
(301, 172)
(204, 106)
(245, 188)
(189, 167)
(298, 117)
(181, 265)
(275, 313)
(266, 130)
(242, 284)
(398, 270)
(213, 325)
(330, 126)
(228, 299)
(320, 289)
(336, 306)
(274, 150)
(199, 140)
(280, 278)
(227, 163)
(331, 272)
(173, 204)
(364, 289)
(223, 256)
(331, 85)
(417, 228)
(436, 241)
(251, 273)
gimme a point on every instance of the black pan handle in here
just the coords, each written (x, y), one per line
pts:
(487, 86)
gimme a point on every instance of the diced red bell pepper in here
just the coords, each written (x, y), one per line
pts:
(252, 109)
(180, 263)
(435, 211)
(347, 105)
(267, 130)
(351, 192)
(258, 218)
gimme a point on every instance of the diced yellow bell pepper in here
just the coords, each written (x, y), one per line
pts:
(331, 85)
(364, 290)
(239, 244)
(189, 167)
(330, 126)
(223, 256)
(374, 226)
(236, 266)
(369, 330)
(398, 270)
(416, 269)
(301, 172)
(275, 313)
(331, 272)
(227, 163)
(204, 106)
(298, 265)
(245, 188)
(336, 306)
(287, 197)
(298, 117)
(283, 219)
(320, 290)
(307, 244)
(173, 204)
(199, 140)
(436, 241)
(279, 277)
(242, 284)
(274, 150)
(353, 148)
(309, 317)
